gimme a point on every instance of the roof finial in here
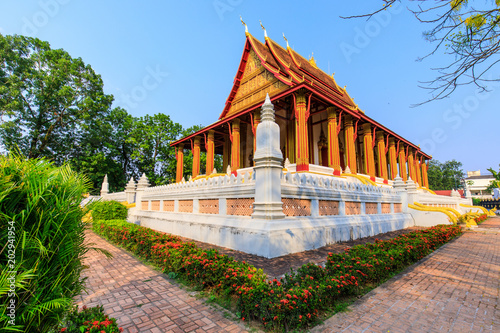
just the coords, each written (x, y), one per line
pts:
(312, 61)
(246, 28)
(287, 46)
(265, 32)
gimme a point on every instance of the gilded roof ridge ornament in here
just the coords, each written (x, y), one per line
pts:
(312, 61)
(246, 28)
(265, 32)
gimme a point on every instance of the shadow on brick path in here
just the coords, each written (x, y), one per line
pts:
(455, 289)
(141, 299)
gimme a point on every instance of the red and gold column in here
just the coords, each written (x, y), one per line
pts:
(196, 157)
(403, 172)
(256, 121)
(290, 141)
(382, 159)
(180, 163)
(333, 142)
(369, 160)
(210, 152)
(235, 146)
(411, 165)
(393, 162)
(349, 144)
(302, 141)
(417, 171)
(226, 153)
(425, 179)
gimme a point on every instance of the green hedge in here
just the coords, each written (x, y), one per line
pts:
(293, 302)
(41, 242)
(108, 210)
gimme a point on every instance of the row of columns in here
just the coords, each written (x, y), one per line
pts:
(406, 159)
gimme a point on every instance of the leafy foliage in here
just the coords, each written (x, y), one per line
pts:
(108, 210)
(445, 176)
(151, 137)
(92, 320)
(469, 32)
(476, 201)
(40, 213)
(496, 182)
(48, 97)
(53, 106)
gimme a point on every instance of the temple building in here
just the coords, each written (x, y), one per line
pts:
(322, 129)
(303, 167)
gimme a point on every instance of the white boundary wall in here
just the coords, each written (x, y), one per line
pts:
(265, 212)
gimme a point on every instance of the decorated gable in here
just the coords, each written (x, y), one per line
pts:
(256, 82)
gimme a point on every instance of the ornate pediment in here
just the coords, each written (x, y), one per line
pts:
(256, 82)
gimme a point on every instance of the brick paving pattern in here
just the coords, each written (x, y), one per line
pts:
(141, 299)
(455, 289)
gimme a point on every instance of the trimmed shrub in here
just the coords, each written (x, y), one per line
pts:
(108, 210)
(41, 242)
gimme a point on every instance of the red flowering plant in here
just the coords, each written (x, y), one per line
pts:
(89, 320)
(480, 218)
(294, 301)
(375, 262)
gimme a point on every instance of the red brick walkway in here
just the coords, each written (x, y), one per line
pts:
(455, 289)
(142, 300)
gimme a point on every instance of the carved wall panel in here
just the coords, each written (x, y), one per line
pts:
(240, 206)
(296, 207)
(328, 207)
(209, 206)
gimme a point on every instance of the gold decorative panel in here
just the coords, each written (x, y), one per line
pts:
(386, 208)
(185, 206)
(255, 83)
(144, 205)
(168, 205)
(398, 208)
(296, 207)
(352, 208)
(371, 208)
(155, 205)
(209, 206)
(240, 206)
(328, 207)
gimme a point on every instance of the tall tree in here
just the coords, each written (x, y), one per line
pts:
(46, 98)
(120, 146)
(435, 175)
(445, 176)
(496, 182)
(151, 137)
(469, 32)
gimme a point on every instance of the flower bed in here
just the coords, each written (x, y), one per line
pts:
(298, 299)
(481, 218)
(89, 320)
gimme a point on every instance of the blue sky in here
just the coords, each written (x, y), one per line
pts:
(180, 58)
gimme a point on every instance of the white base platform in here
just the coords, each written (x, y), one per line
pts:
(275, 238)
